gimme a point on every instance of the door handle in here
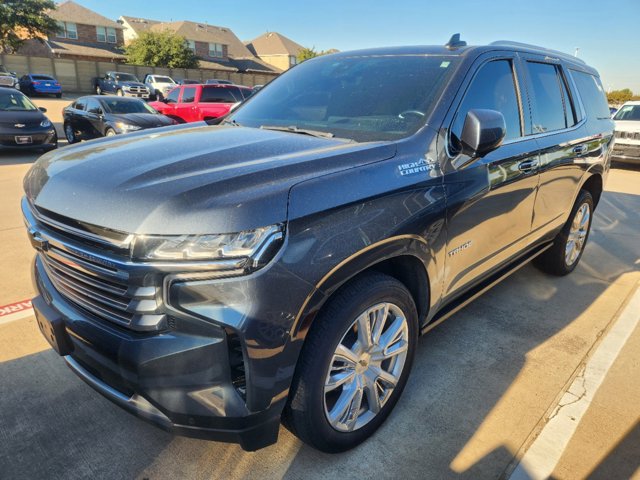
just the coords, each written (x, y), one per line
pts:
(580, 149)
(528, 165)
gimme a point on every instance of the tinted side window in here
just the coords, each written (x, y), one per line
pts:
(214, 94)
(80, 104)
(173, 96)
(547, 105)
(492, 88)
(592, 94)
(93, 107)
(188, 94)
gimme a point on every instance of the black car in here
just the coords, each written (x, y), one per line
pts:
(22, 124)
(281, 266)
(96, 116)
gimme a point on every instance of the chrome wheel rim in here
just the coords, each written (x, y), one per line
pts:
(68, 131)
(366, 367)
(110, 133)
(577, 234)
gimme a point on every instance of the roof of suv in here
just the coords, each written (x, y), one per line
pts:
(466, 50)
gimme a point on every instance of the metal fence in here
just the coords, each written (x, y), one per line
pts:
(76, 76)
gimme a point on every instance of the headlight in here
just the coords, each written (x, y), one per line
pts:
(45, 123)
(257, 245)
(125, 127)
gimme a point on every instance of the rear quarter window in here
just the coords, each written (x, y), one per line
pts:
(214, 94)
(592, 94)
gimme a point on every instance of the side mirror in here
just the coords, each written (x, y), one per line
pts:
(13, 73)
(42, 109)
(483, 132)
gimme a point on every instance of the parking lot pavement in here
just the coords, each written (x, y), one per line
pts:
(483, 386)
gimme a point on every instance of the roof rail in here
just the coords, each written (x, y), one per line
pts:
(546, 51)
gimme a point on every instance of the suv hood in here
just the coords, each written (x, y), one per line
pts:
(132, 84)
(188, 180)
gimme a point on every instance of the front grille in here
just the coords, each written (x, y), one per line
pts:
(94, 288)
(138, 90)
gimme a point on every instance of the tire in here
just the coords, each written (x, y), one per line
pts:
(58, 95)
(109, 132)
(313, 414)
(119, 92)
(568, 246)
(98, 90)
(70, 134)
(159, 95)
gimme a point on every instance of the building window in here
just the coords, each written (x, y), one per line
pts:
(102, 34)
(192, 45)
(215, 50)
(111, 35)
(67, 30)
(293, 60)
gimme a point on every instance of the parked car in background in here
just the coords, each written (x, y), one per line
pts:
(215, 81)
(613, 111)
(159, 85)
(7, 78)
(38, 84)
(121, 84)
(94, 116)
(627, 146)
(187, 81)
(22, 124)
(193, 103)
(280, 267)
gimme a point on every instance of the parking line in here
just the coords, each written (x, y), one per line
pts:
(15, 311)
(542, 457)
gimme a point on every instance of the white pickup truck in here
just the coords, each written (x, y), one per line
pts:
(159, 85)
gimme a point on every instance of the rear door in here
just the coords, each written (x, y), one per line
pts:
(563, 140)
(215, 101)
(490, 201)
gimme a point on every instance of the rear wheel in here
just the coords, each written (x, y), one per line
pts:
(58, 95)
(70, 134)
(119, 92)
(98, 90)
(563, 257)
(354, 364)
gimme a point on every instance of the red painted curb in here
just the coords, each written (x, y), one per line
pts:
(15, 307)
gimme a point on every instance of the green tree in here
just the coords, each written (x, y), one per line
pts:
(24, 19)
(307, 53)
(161, 49)
(619, 96)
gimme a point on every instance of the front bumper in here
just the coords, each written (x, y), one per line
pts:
(135, 93)
(626, 153)
(178, 381)
(40, 138)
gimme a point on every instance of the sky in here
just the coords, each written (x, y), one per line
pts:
(606, 33)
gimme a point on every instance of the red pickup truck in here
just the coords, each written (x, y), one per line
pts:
(193, 103)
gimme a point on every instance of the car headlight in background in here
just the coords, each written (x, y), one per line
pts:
(258, 246)
(45, 123)
(126, 127)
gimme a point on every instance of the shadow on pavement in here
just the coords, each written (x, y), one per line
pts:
(53, 425)
(623, 460)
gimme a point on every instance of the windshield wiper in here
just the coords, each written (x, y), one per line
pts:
(302, 131)
(231, 122)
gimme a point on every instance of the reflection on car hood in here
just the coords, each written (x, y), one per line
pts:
(202, 179)
(144, 120)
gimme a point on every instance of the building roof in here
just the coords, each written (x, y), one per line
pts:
(59, 47)
(138, 24)
(202, 32)
(70, 11)
(253, 65)
(273, 43)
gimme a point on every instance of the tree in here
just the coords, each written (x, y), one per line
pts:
(24, 19)
(619, 96)
(161, 49)
(307, 53)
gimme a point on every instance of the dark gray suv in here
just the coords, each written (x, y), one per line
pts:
(217, 280)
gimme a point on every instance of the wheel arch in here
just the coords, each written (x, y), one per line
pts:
(594, 184)
(402, 258)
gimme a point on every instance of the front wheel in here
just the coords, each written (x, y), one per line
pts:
(354, 364)
(98, 90)
(568, 246)
(109, 132)
(119, 92)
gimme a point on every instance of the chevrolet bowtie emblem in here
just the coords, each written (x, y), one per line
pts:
(19, 125)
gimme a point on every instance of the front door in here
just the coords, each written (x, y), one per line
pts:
(490, 201)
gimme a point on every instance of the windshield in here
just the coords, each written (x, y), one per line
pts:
(126, 77)
(628, 112)
(369, 98)
(15, 102)
(164, 80)
(119, 105)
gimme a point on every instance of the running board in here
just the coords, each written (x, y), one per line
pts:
(468, 297)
